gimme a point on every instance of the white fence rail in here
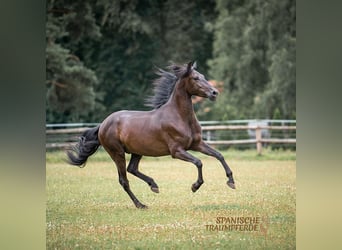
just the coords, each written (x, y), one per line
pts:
(258, 133)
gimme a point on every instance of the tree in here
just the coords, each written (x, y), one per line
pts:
(254, 55)
(70, 84)
(114, 46)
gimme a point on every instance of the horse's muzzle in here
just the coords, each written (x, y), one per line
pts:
(213, 94)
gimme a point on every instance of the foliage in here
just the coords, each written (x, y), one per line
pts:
(254, 55)
(100, 55)
(116, 45)
(70, 84)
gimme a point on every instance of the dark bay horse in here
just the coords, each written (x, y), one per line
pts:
(171, 128)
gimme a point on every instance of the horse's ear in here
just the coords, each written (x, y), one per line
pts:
(194, 65)
(190, 67)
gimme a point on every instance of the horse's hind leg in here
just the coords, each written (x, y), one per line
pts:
(133, 169)
(120, 161)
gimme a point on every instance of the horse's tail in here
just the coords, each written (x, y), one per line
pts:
(87, 145)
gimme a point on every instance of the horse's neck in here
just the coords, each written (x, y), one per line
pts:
(181, 101)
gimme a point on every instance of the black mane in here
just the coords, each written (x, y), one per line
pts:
(164, 85)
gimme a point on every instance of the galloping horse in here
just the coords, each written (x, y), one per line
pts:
(171, 128)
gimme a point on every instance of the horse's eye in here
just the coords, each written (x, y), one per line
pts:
(196, 78)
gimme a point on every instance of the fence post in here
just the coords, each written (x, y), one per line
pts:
(258, 139)
(208, 135)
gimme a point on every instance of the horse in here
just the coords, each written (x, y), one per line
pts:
(170, 128)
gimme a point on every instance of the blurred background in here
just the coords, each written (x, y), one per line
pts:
(101, 55)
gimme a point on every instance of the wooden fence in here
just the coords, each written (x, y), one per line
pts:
(258, 140)
(65, 137)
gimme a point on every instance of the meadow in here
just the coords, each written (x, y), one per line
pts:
(88, 209)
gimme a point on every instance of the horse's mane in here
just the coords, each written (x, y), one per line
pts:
(164, 85)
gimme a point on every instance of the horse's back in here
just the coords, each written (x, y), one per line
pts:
(137, 132)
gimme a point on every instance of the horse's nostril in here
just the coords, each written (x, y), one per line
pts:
(214, 92)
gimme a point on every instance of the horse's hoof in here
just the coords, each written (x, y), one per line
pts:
(231, 185)
(141, 206)
(194, 188)
(155, 189)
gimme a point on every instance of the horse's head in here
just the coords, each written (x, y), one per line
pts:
(196, 84)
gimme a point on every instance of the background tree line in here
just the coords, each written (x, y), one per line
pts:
(101, 54)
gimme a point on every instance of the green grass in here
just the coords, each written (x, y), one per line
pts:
(88, 209)
(245, 155)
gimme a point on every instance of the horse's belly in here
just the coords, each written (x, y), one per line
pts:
(144, 141)
(147, 148)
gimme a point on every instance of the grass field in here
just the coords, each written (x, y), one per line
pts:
(88, 209)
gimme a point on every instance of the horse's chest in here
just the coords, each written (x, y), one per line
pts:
(189, 138)
(182, 134)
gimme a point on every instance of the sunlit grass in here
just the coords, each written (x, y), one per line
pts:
(87, 208)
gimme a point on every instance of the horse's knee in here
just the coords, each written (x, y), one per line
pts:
(198, 163)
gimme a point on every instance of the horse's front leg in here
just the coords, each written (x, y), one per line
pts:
(206, 149)
(181, 154)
